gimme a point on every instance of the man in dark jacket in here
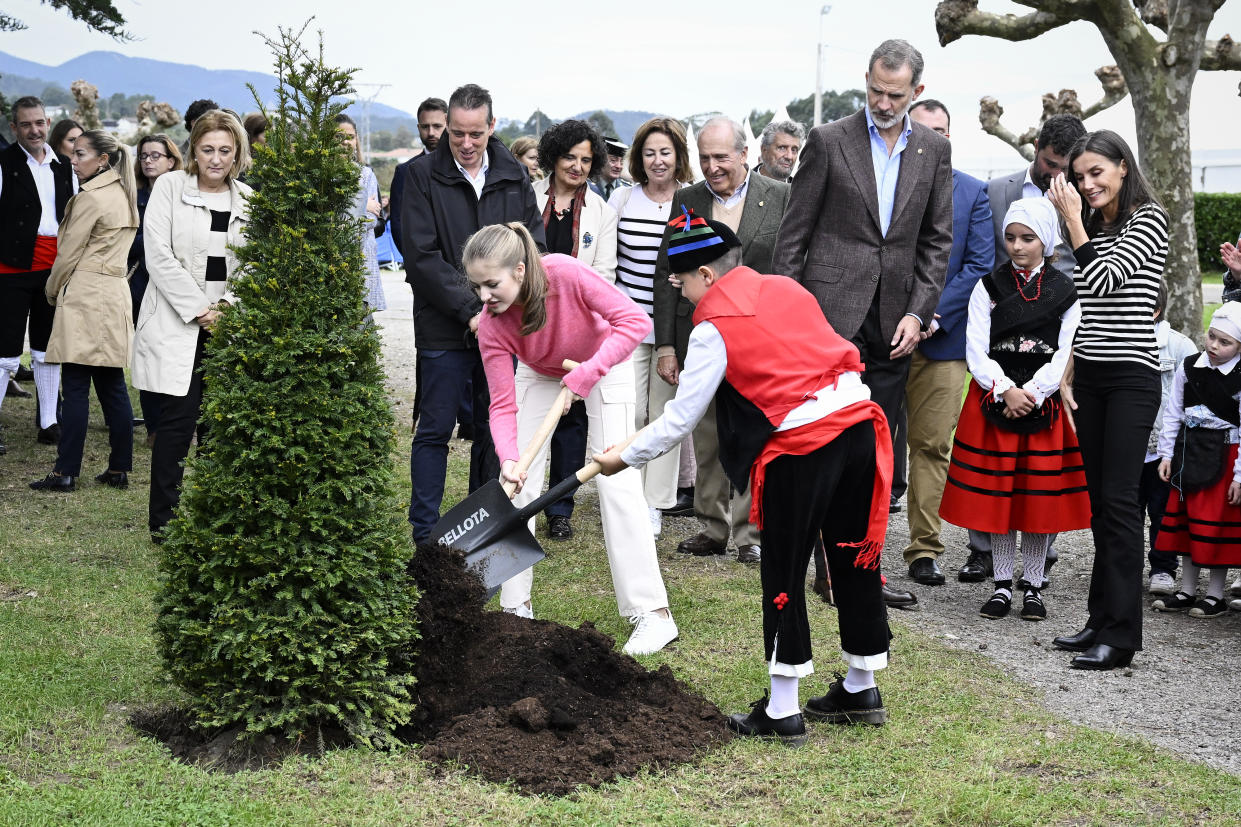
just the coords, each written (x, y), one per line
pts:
(470, 181)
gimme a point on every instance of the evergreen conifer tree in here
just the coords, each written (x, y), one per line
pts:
(286, 606)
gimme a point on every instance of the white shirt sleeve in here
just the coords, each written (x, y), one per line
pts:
(1173, 413)
(706, 360)
(1046, 380)
(986, 371)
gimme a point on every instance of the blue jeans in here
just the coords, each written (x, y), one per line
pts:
(75, 382)
(444, 378)
(1153, 496)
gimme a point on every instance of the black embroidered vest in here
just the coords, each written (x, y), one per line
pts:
(20, 208)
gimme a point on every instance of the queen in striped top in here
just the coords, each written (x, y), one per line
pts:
(1111, 390)
(659, 165)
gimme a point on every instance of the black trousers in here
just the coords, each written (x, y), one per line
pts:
(75, 382)
(828, 491)
(1116, 406)
(179, 420)
(1153, 497)
(886, 379)
(21, 300)
(568, 453)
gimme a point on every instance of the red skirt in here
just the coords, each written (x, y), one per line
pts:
(999, 481)
(1203, 524)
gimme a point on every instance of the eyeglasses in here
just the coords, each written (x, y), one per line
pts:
(152, 156)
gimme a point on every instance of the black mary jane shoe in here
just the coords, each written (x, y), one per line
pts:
(790, 730)
(1079, 642)
(1102, 657)
(113, 479)
(55, 482)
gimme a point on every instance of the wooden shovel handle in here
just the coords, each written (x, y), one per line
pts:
(545, 430)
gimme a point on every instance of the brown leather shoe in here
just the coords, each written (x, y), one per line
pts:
(899, 600)
(700, 545)
(749, 554)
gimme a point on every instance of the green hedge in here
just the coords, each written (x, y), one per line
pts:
(1217, 218)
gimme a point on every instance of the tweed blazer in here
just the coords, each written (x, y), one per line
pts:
(765, 202)
(1002, 191)
(831, 241)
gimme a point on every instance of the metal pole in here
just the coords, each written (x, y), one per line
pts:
(818, 71)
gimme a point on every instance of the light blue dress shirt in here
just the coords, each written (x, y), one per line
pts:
(887, 167)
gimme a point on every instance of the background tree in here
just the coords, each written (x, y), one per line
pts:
(1064, 103)
(1160, 76)
(286, 601)
(98, 15)
(601, 122)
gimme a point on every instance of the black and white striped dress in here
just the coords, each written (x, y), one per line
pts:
(638, 234)
(1117, 278)
(220, 204)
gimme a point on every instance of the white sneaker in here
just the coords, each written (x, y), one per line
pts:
(1236, 586)
(1162, 583)
(525, 610)
(657, 521)
(651, 633)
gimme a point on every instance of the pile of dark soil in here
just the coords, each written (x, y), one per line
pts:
(544, 706)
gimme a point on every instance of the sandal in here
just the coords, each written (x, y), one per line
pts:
(1209, 607)
(1178, 602)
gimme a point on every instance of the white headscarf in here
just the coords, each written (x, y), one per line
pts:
(1039, 215)
(1227, 320)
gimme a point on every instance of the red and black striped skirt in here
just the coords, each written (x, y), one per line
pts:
(1000, 481)
(1202, 524)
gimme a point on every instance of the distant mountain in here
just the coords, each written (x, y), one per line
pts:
(176, 83)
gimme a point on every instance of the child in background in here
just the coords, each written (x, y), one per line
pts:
(1198, 451)
(1015, 465)
(1174, 346)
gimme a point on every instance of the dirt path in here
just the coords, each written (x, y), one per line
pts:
(1183, 692)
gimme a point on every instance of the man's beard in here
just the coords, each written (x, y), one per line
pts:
(888, 123)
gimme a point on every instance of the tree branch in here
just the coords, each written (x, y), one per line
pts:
(955, 18)
(1114, 90)
(11, 24)
(989, 114)
(1220, 55)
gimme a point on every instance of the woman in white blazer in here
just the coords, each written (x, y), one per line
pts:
(193, 218)
(579, 223)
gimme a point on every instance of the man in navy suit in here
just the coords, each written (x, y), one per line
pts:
(937, 370)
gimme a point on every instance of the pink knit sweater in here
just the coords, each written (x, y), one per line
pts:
(588, 320)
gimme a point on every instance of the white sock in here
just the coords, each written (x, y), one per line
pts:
(1189, 576)
(8, 367)
(1215, 583)
(783, 701)
(857, 680)
(47, 382)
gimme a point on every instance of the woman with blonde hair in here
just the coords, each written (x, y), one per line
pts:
(543, 310)
(92, 331)
(193, 220)
(526, 150)
(367, 209)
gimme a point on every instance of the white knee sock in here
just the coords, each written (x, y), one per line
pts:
(8, 367)
(1189, 576)
(1215, 583)
(783, 701)
(1004, 554)
(857, 680)
(47, 382)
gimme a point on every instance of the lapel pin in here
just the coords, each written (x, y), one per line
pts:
(919, 150)
(761, 203)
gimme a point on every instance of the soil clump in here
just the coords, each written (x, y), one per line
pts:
(542, 705)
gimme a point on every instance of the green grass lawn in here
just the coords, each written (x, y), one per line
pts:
(965, 744)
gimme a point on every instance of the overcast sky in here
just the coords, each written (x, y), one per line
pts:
(674, 58)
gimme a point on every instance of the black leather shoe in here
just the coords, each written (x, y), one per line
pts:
(113, 479)
(1079, 642)
(894, 506)
(977, 568)
(17, 390)
(896, 599)
(1102, 657)
(684, 506)
(749, 554)
(55, 482)
(49, 436)
(790, 730)
(559, 527)
(24, 374)
(926, 571)
(823, 588)
(700, 545)
(840, 706)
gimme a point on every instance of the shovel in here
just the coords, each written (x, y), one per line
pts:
(486, 526)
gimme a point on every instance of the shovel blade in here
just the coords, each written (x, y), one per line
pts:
(495, 539)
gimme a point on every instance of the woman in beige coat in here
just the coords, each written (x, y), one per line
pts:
(93, 327)
(193, 219)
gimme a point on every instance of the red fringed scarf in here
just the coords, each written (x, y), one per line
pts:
(814, 435)
(579, 199)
